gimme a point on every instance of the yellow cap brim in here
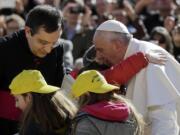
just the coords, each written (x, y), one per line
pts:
(46, 89)
(75, 93)
(105, 88)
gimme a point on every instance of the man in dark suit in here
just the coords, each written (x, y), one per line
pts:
(35, 47)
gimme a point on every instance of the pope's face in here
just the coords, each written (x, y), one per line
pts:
(107, 51)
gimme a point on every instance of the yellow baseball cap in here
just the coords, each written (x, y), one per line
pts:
(91, 81)
(30, 81)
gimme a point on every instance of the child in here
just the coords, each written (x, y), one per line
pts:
(107, 113)
(46, 110)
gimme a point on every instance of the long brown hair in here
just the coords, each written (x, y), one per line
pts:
(92, 98)
(51, 111)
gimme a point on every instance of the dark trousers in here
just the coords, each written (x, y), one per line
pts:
(8, 127)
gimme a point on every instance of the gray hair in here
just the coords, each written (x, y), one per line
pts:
(123, 37)
(114, 36)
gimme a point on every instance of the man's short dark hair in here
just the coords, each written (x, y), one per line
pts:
(44, 16)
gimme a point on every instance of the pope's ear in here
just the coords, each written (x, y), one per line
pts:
(117, 44)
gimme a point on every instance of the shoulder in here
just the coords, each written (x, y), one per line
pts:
(92, 125)
(12, 39)
(145, 46)
(11, 44)
(84, 126)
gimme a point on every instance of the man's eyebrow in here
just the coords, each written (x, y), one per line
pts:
(43, 41)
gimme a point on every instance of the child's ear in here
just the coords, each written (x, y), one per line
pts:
(117, 46)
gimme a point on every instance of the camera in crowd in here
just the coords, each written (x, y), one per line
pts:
(77, 9)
